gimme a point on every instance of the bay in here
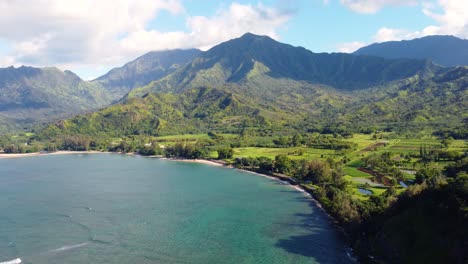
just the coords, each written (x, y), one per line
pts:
(108, 208)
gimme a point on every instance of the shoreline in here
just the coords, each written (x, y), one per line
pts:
(221, 164)
(38, 154)
(307, 193)
(201, 161)
(297, 187)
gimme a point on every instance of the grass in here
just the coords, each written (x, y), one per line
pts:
(363, 140)
(191, 137)
(396, 146)
(353, 172)
(407, 146)
(309, 153)
(459, 145)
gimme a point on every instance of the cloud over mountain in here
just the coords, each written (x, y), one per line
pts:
(73, 34)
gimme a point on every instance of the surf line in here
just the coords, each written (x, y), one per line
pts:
(14, 261)
(60, 249)
(65, 248)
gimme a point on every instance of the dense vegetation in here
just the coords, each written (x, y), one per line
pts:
(145, 69)
(30, 96)
(435, 105)
(236, 88)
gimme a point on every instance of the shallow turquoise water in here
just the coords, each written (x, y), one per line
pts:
(104, 208)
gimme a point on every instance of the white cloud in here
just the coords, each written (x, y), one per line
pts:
(88, 34)
(373, 6)
(350, 47)
(205, 32)
(57, 32)
(453, 20)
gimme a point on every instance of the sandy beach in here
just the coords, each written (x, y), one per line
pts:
(202, 161)
(35, 154)
(297, 187)
(219, 164)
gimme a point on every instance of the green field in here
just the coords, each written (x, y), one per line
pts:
(385, 142)
(353, 172)
(190, 137)
(293, 152)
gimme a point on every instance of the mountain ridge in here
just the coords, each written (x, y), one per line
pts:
(444, 50)
(144, 69)
(233, 62)
(30, 95)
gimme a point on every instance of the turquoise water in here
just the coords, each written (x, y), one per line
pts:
(104, 208)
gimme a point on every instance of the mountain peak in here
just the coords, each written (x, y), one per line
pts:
(249, 35)
(252, 38)
(260, 59)
(145, 69)
(246, 43)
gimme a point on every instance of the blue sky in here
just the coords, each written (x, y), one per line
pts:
(90, 37)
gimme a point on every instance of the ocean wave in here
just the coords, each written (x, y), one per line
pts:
(14, 261)
(65, 248)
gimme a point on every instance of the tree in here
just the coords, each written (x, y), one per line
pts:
(297, 140)
(446, 142)
(282, 141)
(11, 149)
(265, 164)
(283, 164)
(319, 172)
(430, 175)
(225, 153)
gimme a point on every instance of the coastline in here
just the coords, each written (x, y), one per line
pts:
(297, 187)
(201, 161)
(222, 164)
(308, 193)
(37, 154)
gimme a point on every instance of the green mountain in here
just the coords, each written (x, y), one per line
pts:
(255, 83)
(145, 69)
(411, 104)
(29, 96)
(198, 110)
(250, 59)
(443, 50)
(436, 102)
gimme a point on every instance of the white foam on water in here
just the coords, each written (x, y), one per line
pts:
(65, 248)
(15, 261)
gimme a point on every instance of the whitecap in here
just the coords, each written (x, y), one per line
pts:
(65, 248)
(15, 261)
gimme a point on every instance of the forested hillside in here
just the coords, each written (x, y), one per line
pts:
(31, 96)
(145, 69)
